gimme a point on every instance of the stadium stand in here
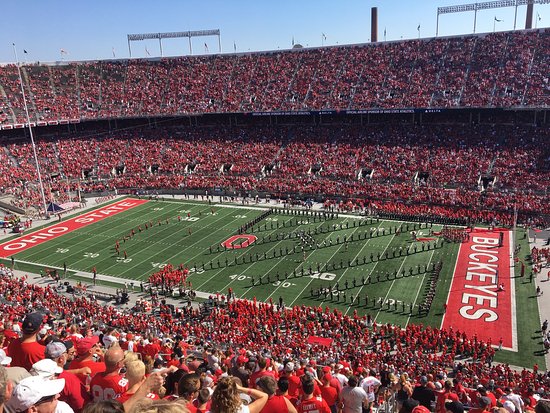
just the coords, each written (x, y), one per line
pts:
(427, 170)
(227, 337)
(489, 70)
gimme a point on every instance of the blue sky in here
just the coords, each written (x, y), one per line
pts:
(91, 29)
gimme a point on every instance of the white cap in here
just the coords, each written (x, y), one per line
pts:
(4, 360)
(46, 368)
(30, 390)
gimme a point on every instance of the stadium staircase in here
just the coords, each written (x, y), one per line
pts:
(230, 80)
(51, 83)
(500, 67)
(58, 161)
(337, 78)
(354, 89)
(10, 156)
(310, 86)
(77, 85)
(5, 203)
(409, 78)
(467, 74)
(438, 76)
(29, 94)
(384, 94)
(8, 104)
(247, 94)
(289, 90)
(530, 69)
(124, 93)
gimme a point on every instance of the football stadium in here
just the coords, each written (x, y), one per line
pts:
(343, 228)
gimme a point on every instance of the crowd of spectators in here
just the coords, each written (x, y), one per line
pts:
(491, 70)
(91, 344)
(480, 172)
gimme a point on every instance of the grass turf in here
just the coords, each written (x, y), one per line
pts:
(274, 267)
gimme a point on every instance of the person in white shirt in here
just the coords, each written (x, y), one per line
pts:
(339, 376)
(370, 384)
(509, 395)
(353, 398)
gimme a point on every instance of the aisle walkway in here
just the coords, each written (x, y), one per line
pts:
(540, 240)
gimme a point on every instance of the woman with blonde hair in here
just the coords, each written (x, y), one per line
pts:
(226, 399)
(404, 389)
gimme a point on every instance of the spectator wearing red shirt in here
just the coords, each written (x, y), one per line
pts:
(294, 382)
(26, 351)
(110, 384)
(74, 393)
(329, 393)
(152, 349)
(262, 365)
(276, 403)
(87, 349)
(445, 396)
(482, 405)
(240, 370)
(308, 402)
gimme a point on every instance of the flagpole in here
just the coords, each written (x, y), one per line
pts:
(516, 15)
(30, 132)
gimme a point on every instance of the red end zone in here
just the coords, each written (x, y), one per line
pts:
(45, 234)
(482, 300)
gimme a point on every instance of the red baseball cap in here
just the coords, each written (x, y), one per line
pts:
(85, 344)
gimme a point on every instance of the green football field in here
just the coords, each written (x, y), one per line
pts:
(303, 258)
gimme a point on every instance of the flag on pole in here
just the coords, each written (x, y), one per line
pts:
(324, 36)
(497, 20)
(24, 51)
(292, 40)
(114, 52)
(538, 16)
(147, 51)
(63, 51)
(234, 46)
(384, 32)
(418, 28)
(205, 47)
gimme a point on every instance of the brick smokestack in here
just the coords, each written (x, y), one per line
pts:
(529, 16)
(374, 24)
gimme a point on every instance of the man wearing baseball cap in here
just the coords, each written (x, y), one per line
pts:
(26, 351)
(36, 394)
(74, 393)
(240, 370)
(87, 350)
(294, 383)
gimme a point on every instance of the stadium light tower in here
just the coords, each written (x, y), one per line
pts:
(172, 35)
(485, 5)
(30, 132)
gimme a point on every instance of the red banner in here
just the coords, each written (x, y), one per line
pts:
(481, 300)
(319, 341)
(26, 241)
